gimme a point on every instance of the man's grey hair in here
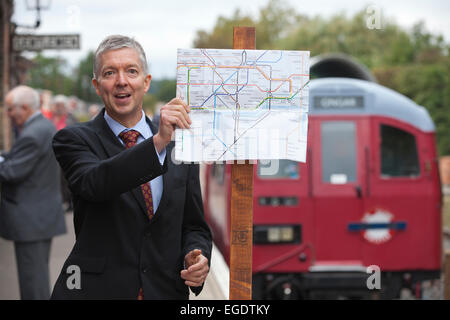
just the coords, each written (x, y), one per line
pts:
(24, 95)
(62, 99)
(115, 42)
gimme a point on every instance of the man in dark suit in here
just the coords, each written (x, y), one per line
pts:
(31, 210)
(139, 222)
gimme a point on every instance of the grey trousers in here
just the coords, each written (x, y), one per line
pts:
(32, 267)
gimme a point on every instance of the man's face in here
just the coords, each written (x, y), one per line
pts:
(17, 114)
(122, 84)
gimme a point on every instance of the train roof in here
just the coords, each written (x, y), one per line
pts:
(358, 97)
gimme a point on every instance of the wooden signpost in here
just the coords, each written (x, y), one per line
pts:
(241, 219)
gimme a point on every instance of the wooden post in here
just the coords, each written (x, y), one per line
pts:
(447, 275)
(241, 204)
(6, 9)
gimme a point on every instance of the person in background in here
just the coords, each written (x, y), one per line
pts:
(45, 110)
(31, 210)
(60, 112)
(73, 106)
(93, 110)
(61, 119)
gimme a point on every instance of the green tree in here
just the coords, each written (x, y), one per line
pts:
(166, 90)
(83, 87)
(149, 103)
(274, 21)
(47, 73)
(279, 26)
(222, 35)
(339, 33)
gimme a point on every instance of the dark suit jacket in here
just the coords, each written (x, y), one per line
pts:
(31, 206)
(118, 248)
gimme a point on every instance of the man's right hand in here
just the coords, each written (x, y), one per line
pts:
(172, 115)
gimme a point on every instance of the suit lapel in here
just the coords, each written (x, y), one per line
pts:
(109, 141)
(112, 147)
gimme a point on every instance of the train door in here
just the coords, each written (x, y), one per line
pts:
(401, 205)
(338, 183)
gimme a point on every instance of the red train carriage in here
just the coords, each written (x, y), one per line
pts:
(368, 197)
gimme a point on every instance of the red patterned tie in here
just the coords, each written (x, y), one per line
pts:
(130, 138)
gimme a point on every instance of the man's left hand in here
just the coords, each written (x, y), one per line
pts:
(196, 270)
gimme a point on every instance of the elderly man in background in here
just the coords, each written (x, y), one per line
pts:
(61, 118)
(31, 208)
(93, 110)
(61, 115)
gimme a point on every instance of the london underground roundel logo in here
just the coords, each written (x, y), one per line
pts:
(375, 219)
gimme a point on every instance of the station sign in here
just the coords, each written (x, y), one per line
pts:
(338, 102)
(34, 42)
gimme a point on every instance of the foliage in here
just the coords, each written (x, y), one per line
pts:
(83, 87)
(164, 90)
(48, 73)
(149, 103)
(222, 35)
(273, 23)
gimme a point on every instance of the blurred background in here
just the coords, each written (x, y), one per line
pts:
(405, 45)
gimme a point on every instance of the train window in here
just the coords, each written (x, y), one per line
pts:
(218, 172)
(399, 156)
(338, 152)
(278, 169)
